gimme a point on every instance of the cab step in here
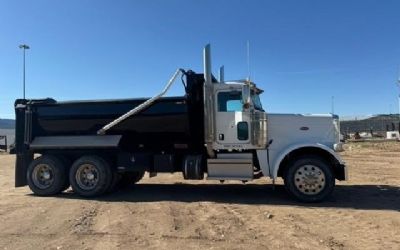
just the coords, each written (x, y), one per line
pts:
(237, 167)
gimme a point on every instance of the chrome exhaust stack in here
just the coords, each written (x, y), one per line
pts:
(208, 98)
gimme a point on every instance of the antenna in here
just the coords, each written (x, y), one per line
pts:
(248, 60)
(398, 82)
(398, 79)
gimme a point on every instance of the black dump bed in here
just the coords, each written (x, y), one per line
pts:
(168, 122)
(165, 121)
(167, 115)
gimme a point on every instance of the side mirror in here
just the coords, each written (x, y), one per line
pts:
(246, 95)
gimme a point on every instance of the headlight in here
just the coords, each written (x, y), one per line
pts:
(338, 147)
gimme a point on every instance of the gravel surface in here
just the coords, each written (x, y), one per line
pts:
(166, 212)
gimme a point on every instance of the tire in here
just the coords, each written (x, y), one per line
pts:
(129, 178)
(138, 176)
(114, 183)
(309, 179)
(46, 175)
(90, 176)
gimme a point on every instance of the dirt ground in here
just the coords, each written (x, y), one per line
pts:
(166, 212)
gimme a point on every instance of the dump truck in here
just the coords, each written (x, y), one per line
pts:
(218, 130)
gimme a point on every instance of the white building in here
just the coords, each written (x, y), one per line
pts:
(392, 135)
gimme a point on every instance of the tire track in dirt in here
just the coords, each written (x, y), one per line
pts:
(46, 222)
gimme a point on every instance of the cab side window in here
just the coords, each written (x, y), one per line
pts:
(229, 101)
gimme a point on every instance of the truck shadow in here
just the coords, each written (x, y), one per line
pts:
(367, 197)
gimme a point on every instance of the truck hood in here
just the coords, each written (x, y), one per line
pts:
(287, 129)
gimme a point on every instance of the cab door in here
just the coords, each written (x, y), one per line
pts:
(232, 123)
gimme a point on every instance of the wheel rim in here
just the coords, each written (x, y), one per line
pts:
(309, 179)
(87, 176)
(43, 176)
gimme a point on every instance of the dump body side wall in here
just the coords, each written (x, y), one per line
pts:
(171, 126)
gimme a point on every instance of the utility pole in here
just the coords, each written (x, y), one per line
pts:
(333, 105)
(23, 47)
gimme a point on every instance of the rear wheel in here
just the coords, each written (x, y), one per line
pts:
(138, 176)
(114, 182)
(46, 175)
(309, 179)
(130, 178)
(90, 176)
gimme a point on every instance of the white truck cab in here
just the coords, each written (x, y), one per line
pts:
(241, 136)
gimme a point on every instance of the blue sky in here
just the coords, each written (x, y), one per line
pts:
(302, 52)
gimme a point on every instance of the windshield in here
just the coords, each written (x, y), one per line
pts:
(256, 101)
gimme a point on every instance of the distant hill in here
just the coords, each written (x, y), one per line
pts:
(377, 123)
(7, 123)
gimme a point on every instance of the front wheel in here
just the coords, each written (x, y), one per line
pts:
(309, 179)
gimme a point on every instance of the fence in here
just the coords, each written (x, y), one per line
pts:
(372, 126)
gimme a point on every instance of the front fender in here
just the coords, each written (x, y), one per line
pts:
(274, 167)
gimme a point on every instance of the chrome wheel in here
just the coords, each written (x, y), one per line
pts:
(87, 176)
(309, 179)
(43, 176)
